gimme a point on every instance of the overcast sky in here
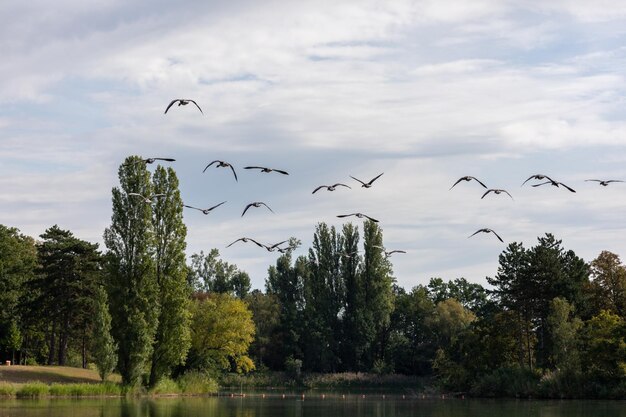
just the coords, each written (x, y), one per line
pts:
(424, 91)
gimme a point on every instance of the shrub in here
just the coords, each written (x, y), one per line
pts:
(166, 386)
(197, 383)
(7, 389)
(293, 367)
(507, 382)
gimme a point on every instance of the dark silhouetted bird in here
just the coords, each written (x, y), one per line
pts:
(222, 164)
(330, 187)
(604, 183)
(275, 246)
(537, 177)
(182, 102)
(204, 211)
(256, 204)
(149, 199)
(245, 240)
(467, 178)
(267, 170)
(367, 184)
(555, 184)
(485, 230)
(359, 215)
(496, 191)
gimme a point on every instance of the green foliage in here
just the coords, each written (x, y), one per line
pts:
(293, 367)
(564, 333)
(605, 347)
(133, 289)
(104, 348)
(221, 333)
(84, 390)
(266, 316)
(165, 386)
(172, 338)
(212, 274)
(195, 382)
(7, 389)
(608, 285)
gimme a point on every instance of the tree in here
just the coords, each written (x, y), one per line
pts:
(355, 340)
(172, 338)
(133, 289)
(209, 273)
(66, 286)
(104, 348)
(608, 283)
(222, 330)
(564, 333)
(605, 347)
(266, 316)
(18, 259)
(377, 281)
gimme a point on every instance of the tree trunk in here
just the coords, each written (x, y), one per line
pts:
(51, 344)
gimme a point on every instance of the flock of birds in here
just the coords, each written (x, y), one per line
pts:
(538, 177)
(545, 180)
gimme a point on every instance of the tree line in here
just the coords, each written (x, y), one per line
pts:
(548, 324)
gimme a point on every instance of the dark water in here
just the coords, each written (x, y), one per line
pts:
(311, 406)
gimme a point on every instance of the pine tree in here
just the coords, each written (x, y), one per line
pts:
(133, 290)
(173, 337)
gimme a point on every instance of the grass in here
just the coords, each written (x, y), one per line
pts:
(32, 390)
(50, 374)
(194, 383)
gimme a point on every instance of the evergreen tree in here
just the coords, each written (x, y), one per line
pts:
(66, 286)
(133, 289)
(172, 339)
(104, 349)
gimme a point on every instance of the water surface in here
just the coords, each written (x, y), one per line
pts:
(312, 406)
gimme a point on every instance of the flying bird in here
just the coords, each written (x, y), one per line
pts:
(222, 164)
(367, 184)
(275, 246)
(555, 184)
(147, 200)
(151, 160)
(359, 215)
(204, 211)
(267, 170)
(256, 204)
(496, 191)
(245, 240)
(388, 254)
(182, 102)
(537, 177)
(468, 178)
(486, 230)
(330, 187)
(604, 183)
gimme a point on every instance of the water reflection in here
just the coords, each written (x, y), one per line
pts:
(294, 406)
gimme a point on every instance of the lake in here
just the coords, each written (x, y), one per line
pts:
(312, 406)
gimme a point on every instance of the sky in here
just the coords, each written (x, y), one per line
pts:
(425, 91)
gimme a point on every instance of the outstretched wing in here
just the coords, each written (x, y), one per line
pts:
(346, 215)
(241, 238)
(371, 218)
(488, 191)
(246, 209)
(234, 173)
(137, 194)
(457, 181)
(215, 206)
(197, 106)
(479, 181)
(275, 245)
(357, 180)
(191, 207)
(507, 193)
(476, 232)
(597, 180)
(543, 183)
(280, 171)
(171, 104)
(253, 167)
(498, 236)
(343, 185)
(318, 188)
(205, 168)
(165, 159)
(375, 178)
(268, 207)
(569, 188)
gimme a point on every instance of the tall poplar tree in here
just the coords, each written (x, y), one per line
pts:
(133, 290)
(172, 338)
(354, 341)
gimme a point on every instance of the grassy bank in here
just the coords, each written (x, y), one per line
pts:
(56, 381)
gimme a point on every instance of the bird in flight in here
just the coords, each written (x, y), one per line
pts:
(275, 246)
(359, 215)
(147, 200)
(556, 184)
(151, 160)
(267, 170)
(496, 191)
(604, 183)
(256, 204)
(388, 254)
(182, 102)
(486, 230)
(245, 240)
(349, 254)
(330, 187)
(537, 177)
(204, 211)
(467, 178)
(222, 164)
(367, 184)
